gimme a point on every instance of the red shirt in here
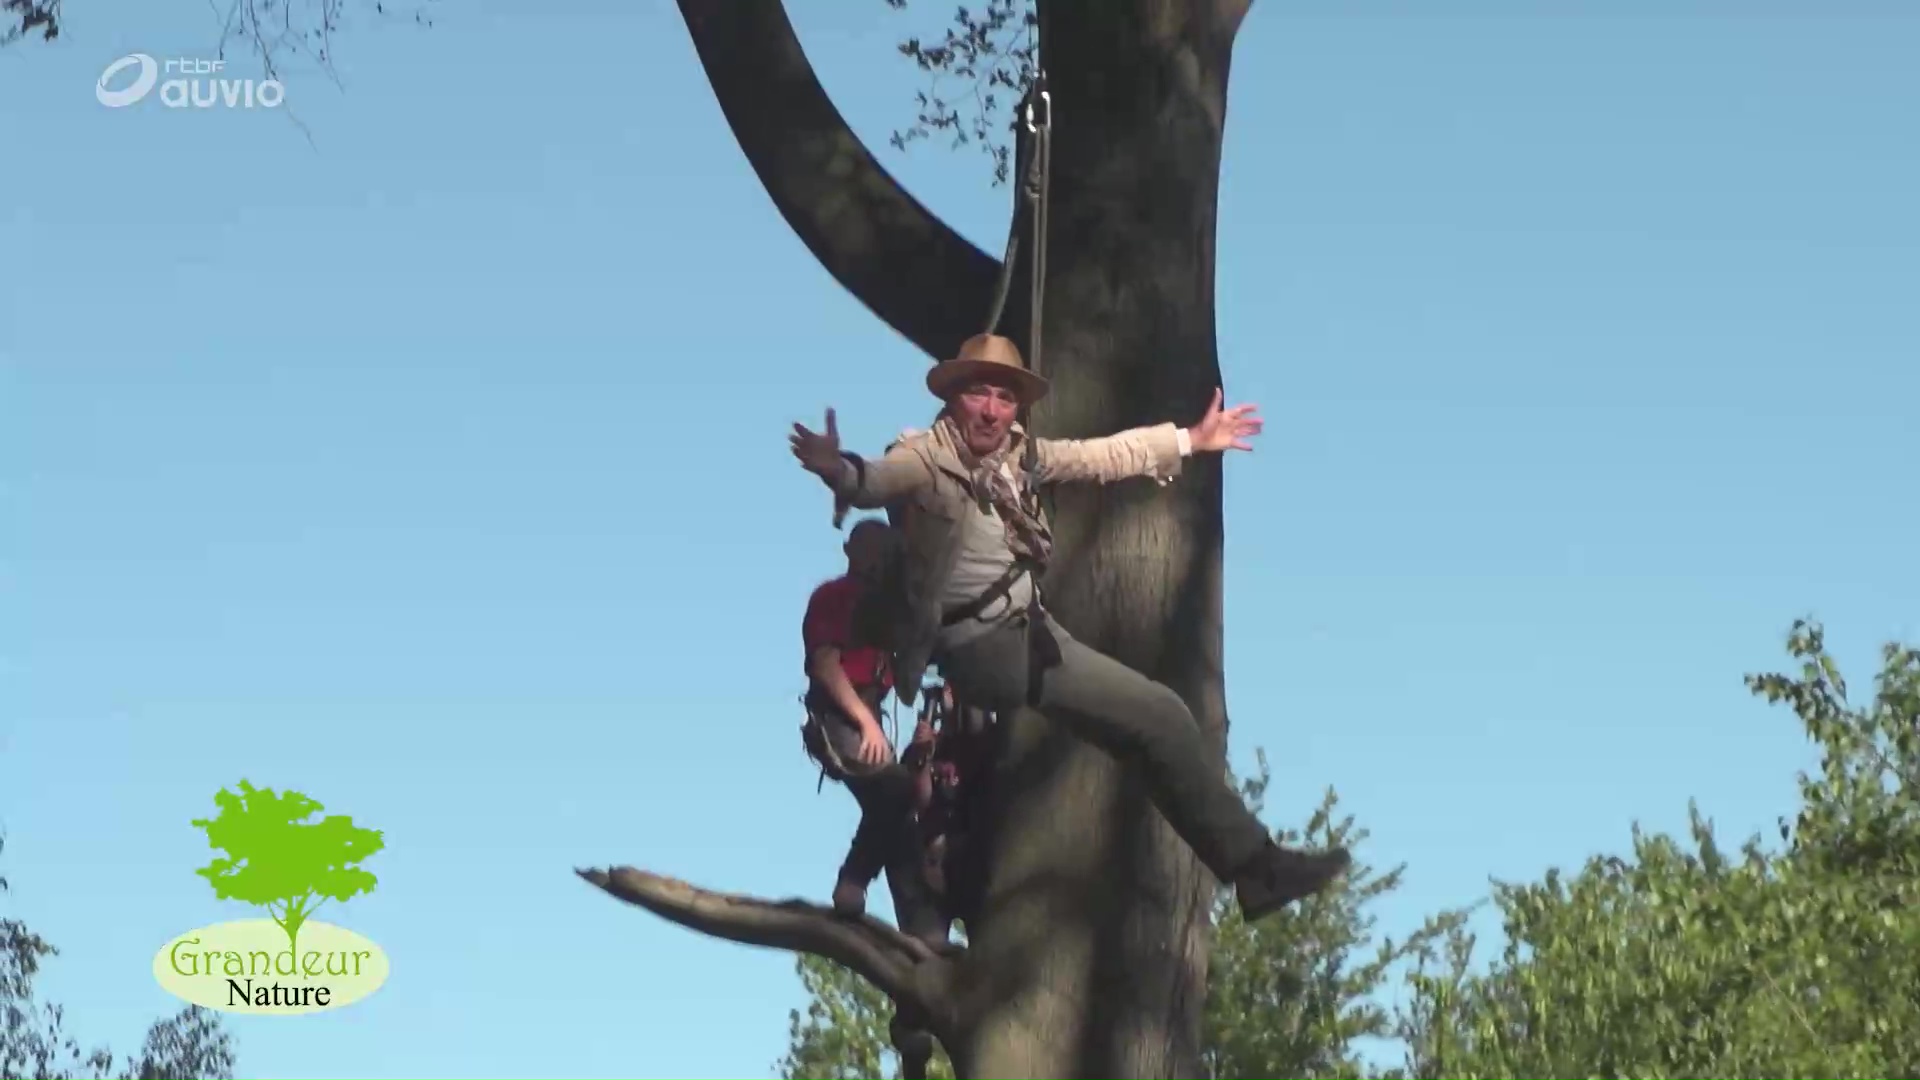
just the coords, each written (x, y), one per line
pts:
(830, 621)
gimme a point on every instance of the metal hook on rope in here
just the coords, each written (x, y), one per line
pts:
(1046, 98)
(1039, 128)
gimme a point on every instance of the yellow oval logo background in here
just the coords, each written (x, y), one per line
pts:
(249, 967)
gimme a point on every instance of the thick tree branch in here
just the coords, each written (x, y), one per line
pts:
(884, 956)
(907, 266)
(1230, 14)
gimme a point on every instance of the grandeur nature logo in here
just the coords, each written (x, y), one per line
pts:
(277, 858)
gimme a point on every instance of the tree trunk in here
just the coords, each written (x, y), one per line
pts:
(1089, 957)
(1091, 954)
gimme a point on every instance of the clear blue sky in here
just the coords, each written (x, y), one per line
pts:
(437, 468)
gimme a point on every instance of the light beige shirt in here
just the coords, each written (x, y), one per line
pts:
(982, 558)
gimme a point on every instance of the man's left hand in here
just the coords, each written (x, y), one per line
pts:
(1220, 430)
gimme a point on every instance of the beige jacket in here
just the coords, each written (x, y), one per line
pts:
(926, 491)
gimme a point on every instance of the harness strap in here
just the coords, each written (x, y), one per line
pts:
(818, 747)
(993, 594)
(1043, 654)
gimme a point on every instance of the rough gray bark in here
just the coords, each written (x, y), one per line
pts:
(1090, 958)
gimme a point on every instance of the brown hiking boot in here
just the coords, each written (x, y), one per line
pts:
(849, 899)
(1278, 876)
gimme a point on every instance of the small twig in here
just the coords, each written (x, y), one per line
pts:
(1792, 1005)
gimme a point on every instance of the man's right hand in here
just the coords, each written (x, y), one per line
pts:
(873, 744)
(818, 453)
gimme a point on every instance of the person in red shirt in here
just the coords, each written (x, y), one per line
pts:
(849, 676)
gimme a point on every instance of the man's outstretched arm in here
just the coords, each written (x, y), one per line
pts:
(1156, 451)
(854, 480)
(869, 485)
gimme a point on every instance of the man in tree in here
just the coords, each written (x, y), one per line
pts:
(967, 496)
(849, 675)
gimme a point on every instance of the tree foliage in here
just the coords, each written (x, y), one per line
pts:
(272, 30)
(1296, 994)
(1291, 995)
(25, 18)
(983, 63)
(842, 1035)
(1799, 958)
(35, 1044)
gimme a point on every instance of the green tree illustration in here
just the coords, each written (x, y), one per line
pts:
(278, 859)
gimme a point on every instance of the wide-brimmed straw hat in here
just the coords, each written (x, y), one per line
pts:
(986, 357)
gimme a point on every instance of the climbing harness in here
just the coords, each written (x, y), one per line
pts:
(813, 737)
(819, 747)
(953, 766)
(1035, 192)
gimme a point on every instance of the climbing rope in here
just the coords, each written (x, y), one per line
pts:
(1035, 190)
(1035, 182)
(1039, 179)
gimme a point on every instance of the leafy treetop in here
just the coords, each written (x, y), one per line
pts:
(985, 62)
(35, 1045)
